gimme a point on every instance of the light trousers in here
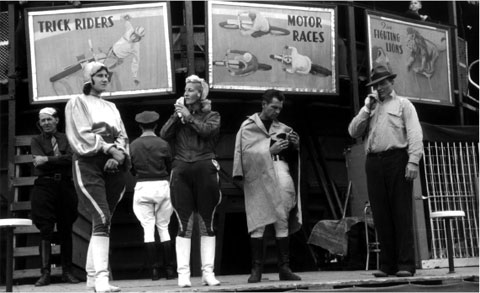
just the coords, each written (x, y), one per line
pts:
(287, 199)
(153, 208)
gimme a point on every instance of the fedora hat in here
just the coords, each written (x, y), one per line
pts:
(147, 117)
(378, 74)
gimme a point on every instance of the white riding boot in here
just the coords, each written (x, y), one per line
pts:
(90, 269)
(207, 253)
(100, 249)
(182, 247)
(91, 273)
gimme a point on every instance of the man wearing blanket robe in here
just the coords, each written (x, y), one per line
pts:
(262, 147)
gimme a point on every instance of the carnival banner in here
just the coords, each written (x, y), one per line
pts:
(259, 46)
(418, 53)
(132, 40)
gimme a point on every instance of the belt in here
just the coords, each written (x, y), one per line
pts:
(55, 177)
(386, 153)
(278, 158)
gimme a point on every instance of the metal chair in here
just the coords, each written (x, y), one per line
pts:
(371, 246)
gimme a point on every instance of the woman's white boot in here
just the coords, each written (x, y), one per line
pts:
(182, 247)
(207, 252)
(99, 246)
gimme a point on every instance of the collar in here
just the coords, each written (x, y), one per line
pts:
(257, 120)
(195, 107)
(49, 135)
(148, 133)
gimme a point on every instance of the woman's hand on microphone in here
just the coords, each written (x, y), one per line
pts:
(182, 110)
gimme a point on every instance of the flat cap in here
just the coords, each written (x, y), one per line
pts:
(48, 110)
(147, 117)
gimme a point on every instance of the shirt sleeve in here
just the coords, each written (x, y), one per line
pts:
(168, 159)
(135, 60)
(128, 30)
(121, 139)
(78, 127)
(414, 133)
(169, 128)
(358, 125)
(36, 147)
(52, 161)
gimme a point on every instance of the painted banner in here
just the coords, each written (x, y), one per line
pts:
(132, 40)
(255, 47)
(418, 53)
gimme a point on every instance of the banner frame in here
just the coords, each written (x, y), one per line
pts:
(168, 89)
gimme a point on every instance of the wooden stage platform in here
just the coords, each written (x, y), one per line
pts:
(465, 279)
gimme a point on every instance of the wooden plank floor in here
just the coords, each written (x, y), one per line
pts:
(311, 281)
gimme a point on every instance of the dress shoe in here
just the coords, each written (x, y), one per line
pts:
(380, 274)
(68, 277)
(44, 279)
(170, 273)
(404, 274)
(155, 274)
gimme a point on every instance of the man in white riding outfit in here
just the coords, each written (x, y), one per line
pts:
(260, 25)
(127, 45)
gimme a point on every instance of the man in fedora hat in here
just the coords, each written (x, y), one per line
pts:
(394, 148)
(151, 164)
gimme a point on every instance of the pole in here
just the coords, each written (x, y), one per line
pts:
(189, 37)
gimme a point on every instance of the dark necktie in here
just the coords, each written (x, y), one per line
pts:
(55, 146)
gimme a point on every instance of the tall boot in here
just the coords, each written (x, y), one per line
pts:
(182, 247)
(66, 254)
(100, 249)
(153, 259)
(91, 272)
(207, 255)
(256, 244)
(168, 259)
(284, 271)
(45, 250)
(90, 269)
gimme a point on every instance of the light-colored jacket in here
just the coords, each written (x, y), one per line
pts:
(254, 164)
(94, 125)
(394, 124)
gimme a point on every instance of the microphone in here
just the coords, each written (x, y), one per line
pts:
(181, 101)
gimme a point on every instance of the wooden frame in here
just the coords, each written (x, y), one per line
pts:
(246, 54)
(418, 52)
(62, 40)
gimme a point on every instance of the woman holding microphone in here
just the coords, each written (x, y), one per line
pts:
(194, 178)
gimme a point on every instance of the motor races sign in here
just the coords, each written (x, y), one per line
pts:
(254, 47)
(132, 40)
(418, 52)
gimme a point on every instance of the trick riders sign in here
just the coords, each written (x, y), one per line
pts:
(132, 40)
(254, 47)
(417, 52)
